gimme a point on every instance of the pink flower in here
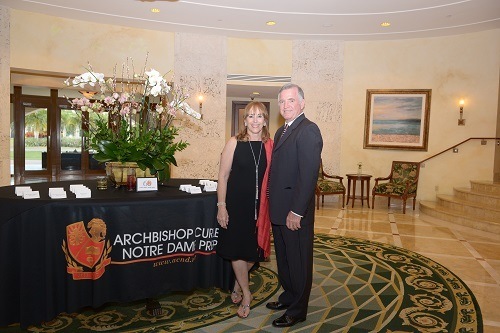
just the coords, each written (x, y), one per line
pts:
(125, 110)
(108, 100)
(123, 98)
(171, 111)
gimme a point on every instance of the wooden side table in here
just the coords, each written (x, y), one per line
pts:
(363, 178)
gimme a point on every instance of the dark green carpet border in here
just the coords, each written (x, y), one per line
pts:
(358, 286)
(181, 311)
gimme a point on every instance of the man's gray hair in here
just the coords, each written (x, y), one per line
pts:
(290, 86)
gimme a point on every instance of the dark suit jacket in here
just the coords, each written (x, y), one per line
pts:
(294, 171)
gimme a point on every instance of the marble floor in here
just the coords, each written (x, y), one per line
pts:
(471, 254)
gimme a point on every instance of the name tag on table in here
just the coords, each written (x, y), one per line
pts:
(184, 187)
(58, 195)
(21, 189)
(147, 184)
(74, 187)
(210, 187)
(56, 190)
(82, 193)
(31, 195)
(194, 189)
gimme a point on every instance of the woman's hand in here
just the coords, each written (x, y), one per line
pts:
(223, 217)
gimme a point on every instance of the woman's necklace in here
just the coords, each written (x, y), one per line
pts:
(256, 162)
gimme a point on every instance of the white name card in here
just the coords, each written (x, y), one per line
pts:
(194, 189)
(21, 189)
(83, 192)
(31, 195)
(184, 187)
(204, 181)
(58, 195)
(147, 184)
(210, 187)
(53, 190)
(73, 187)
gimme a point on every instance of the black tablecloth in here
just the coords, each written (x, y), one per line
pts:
(53, 259)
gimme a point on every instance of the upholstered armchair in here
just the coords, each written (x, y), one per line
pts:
(401, 183)
(327, 185)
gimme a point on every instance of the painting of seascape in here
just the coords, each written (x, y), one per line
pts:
(397, 119)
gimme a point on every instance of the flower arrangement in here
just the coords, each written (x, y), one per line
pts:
(132, 119)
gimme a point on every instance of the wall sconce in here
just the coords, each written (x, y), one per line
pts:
(200, 100)
(461, 121)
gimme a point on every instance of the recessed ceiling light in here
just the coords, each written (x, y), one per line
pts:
(270, 23)
(155, 10)
(385, 24)
(255, 93)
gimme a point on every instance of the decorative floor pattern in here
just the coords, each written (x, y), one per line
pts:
(470, 256)
(372, 286)
(181, 311)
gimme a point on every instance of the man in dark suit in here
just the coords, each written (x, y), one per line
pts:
(294, 172)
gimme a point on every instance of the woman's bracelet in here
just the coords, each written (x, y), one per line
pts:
(221, 204)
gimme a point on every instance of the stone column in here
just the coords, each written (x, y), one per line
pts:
(200, 64)
(4, 96)
(318, 67)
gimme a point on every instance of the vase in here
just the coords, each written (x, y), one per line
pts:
(117, 172)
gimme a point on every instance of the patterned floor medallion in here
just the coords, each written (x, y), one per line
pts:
(180, 312)
(358, 286)
(370, 286)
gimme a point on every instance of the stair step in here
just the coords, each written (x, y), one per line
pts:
(431, 208)
(469, 208)
(468, 194)
(485, 186)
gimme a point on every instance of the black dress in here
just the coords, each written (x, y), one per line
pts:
(239, 240)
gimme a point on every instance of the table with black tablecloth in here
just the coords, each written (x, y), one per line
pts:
(60, 255)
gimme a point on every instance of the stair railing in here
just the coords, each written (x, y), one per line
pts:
(458, 144)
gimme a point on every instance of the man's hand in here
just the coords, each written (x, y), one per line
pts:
(293, 221)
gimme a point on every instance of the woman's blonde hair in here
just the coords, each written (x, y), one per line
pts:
(255, 107)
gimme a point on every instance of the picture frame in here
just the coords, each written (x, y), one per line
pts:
(397, 119)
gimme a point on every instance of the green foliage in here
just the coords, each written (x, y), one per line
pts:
(71, 142)
(148, 144)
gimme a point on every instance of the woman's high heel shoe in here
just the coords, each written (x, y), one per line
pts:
(244, 313)
(236, 297)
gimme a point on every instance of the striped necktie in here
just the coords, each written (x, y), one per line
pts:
(284, 130)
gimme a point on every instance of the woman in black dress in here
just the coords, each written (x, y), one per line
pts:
(243, 212)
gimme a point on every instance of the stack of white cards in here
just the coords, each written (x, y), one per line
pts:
(27, 193)
(80, 191)
(209, 185)
(57, 193)
(190, 188)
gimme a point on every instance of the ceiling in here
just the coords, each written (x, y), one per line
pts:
(349, 20)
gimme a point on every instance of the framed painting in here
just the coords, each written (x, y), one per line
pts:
(397, 119)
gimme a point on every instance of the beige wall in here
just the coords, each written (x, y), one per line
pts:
(454, 67)
(259, 57)
(47, 43)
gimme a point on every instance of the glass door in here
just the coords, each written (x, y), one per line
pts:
(32, 137)
(48, 139)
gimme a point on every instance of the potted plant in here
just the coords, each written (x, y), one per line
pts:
(131, 119)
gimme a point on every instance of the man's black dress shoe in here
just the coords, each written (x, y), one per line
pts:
(276, 306)
(286, 321)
